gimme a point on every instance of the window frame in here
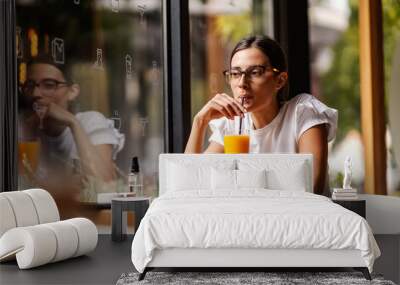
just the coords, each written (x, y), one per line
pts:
(291, 30)
(177, 74)
(8, 102)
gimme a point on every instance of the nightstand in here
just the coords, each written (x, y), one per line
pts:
(119, 206)
(357, 206)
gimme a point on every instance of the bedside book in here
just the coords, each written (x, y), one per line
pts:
(341, 190)
(344, 194)
(344, 198)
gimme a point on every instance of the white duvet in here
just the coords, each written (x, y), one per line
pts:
(252, 218)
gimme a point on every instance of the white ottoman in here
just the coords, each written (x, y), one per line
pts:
(31, 232)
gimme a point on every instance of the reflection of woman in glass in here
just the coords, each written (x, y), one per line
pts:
(64, 137)
(258, 77)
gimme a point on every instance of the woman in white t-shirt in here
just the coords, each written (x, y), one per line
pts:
(258, 77)
(65, 137)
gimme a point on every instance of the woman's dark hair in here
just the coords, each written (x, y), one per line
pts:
(272, 50)
(47, 59)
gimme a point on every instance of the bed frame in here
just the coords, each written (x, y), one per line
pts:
(250, 258)
(242, 259)
(233, 257)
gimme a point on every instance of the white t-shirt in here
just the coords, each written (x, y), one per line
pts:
(282, 134)
(99, 129)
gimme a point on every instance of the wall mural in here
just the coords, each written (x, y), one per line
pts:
(90, 97)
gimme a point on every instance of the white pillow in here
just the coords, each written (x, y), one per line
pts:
(223, 179)
(237, 179)
(251, 178)
(191, 176)
(293, 179)
(281, 174)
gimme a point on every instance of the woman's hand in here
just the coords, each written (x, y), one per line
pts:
(60, 115)
(53, 111)
(221, 105)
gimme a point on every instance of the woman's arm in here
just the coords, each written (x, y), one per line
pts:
(95, 160)
(314, 141)
(196, 138)
(221, 105)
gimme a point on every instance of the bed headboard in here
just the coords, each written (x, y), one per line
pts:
(281, 164)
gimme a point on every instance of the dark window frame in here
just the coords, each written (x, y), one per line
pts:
(177, 74)
(291, 30)
(8, 98)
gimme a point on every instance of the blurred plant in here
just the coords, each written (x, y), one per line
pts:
(338, 181)
(232, 28)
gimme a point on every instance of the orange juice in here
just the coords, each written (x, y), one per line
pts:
(236, 144)
(28, 150)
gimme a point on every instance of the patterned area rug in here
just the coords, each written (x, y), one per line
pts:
(230, 278)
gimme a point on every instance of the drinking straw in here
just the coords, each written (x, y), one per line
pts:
(241, 119)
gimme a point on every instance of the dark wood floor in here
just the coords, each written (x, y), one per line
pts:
(110, 259)
(102, 266)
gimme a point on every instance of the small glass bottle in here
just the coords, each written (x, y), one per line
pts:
(135, 178)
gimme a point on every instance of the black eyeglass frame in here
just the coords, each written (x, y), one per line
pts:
(248, 71)
(33, 84)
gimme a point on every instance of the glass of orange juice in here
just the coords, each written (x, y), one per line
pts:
(236, 143)
(28, 154)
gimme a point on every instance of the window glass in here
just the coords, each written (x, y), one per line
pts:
(391, 50)
(334, 46)
(336, 80)
(90, 98)
(215, 27)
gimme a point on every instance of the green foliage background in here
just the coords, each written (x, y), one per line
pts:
(340, 86)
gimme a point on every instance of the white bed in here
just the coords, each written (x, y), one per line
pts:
(221, 211)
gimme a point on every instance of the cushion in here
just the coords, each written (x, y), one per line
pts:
(290, 180)
(237, 179)
(194, 170)
(189, 175)
(223, 179)
(251, 178)
(282, 174)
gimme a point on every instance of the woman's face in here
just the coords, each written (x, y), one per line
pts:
(260, 84)
(45, 82)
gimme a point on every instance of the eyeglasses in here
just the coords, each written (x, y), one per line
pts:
(46, 86)
(254, 72)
